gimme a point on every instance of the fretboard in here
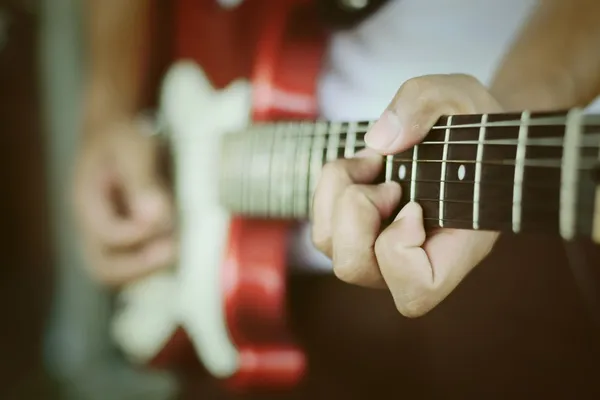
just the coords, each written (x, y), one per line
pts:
(517, 172)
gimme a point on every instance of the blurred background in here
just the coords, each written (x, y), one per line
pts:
(54, 331)
(55, 320)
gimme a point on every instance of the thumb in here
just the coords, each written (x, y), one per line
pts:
(419, 104)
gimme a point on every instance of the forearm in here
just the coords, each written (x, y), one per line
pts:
(554, 62)
(117, 32)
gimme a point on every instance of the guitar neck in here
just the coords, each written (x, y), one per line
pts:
(517, 172)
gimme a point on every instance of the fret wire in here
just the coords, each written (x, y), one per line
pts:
(519, 172)
(294, 174)
(264, 166)
(443, 172)
(275, 173)
(478, 159)
(389, 167)
(316, 161)
(569, 172)
(350, 140)
(287, 176)
(301, 178)
(333, 140)
(413, 175)
(247, 159)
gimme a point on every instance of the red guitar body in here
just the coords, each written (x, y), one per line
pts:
(254, 275)
(282, 43)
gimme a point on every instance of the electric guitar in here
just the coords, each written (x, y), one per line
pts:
(519, 173)
(242, 185)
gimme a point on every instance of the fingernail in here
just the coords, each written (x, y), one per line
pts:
(383, 133)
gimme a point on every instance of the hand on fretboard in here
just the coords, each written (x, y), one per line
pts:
(519, 172)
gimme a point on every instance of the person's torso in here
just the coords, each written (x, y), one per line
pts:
(409, 38)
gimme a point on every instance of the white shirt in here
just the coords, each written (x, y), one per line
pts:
(409, 38)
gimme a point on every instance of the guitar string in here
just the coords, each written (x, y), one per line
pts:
(362, 125)
(589, 140)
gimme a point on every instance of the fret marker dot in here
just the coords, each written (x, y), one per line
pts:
(402, 172)
(461, 172)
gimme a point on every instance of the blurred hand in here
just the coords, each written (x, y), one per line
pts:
(419, 270)
(123, 208)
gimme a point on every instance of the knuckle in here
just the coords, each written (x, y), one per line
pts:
(333, 171)
(389, 248)
(321, 240)
(412, 308)
(346, 270)
(353, 262)
(422, 92)
(355, 197)
(418, 84)
(384, 243)
(414, 295)
(352, 193)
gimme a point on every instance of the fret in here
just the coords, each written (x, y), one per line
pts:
(245, 160)
(426, 176)
(275, 175)
(569, 175)
(361, 130)
(541, 184)
(519, 172)
(227, 171)
(459, 177)
(316, 160)
(443, 172)
(478, 166)
(389, 167)
(350, 145)
(287, 168)
(239, 166)
(261, 168)
(413, 175)
(497, 181)
(401, 171)
(301, 177)
(333, 141)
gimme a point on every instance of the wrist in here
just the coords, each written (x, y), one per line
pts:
(105, 105)
(555, 92)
